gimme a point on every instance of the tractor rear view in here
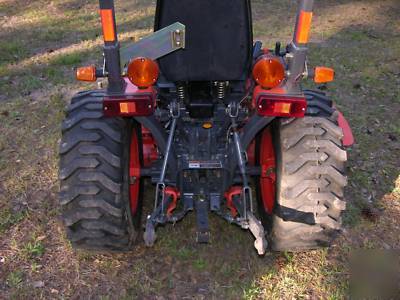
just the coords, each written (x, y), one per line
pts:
(216, 122)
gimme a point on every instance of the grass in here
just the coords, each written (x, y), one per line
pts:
(14, 279)
(12, 52)
(357, 38)
(33, 249)
(67, 60)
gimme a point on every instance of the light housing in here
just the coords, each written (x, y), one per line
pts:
(143, 72)
(134, 102)
(281, 106)
(269, 71)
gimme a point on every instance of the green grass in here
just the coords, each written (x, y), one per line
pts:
(12, 51)
(67, 60)
(14, 279)
(33, 249)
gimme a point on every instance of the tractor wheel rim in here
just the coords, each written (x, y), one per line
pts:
(134, 172)
(268, 171)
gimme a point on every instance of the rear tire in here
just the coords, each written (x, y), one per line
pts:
(311, 180)
(94, 177)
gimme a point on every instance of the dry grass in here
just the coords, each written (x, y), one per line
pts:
(38, 52)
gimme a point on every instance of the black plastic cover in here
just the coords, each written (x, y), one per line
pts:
(218, 39)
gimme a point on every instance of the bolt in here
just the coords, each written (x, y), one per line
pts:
(270, 171)
(132, 180)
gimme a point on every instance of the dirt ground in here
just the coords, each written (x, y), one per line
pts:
(42, 41)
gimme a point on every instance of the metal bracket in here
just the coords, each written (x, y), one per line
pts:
(156, 45)
(178, 39)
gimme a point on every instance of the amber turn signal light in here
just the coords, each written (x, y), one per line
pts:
(323, 75)
(143, 72)
(86, 73)
(269, 71)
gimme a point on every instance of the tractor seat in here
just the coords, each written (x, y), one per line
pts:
(218, 39)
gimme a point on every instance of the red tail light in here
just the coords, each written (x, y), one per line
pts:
(128, 106)
(134, 102)
(281, 106)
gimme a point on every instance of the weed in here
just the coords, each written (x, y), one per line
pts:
(253, 292)
(199, 264)
(14, 279)
(33, 249)
(288, 256)
(35, 267)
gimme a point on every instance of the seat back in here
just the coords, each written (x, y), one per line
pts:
(219, 39)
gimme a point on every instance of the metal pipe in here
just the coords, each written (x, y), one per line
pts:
(174, 110)
(168, 150)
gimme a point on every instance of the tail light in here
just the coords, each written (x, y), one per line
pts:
(134, 102)
(128, 106)
(269, 71)
(281, 106)
(143, 72)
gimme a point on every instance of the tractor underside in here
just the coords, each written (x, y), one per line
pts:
(208, 168)
(222, 126)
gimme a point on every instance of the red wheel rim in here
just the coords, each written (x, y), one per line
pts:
(268, 175)
(134, 172)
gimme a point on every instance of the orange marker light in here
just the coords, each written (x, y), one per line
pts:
(323, 75)
(303, 27)
(86, 73)
(143, 72)
(207, 125)
(127, 107)
(268, 71)
(107, 22)
(282, 108)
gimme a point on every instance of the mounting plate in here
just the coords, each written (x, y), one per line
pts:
(156, 45)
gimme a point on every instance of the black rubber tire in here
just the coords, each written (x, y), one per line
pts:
(310, 183)
(94, 180)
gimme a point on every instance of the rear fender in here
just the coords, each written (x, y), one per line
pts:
(348, 138)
